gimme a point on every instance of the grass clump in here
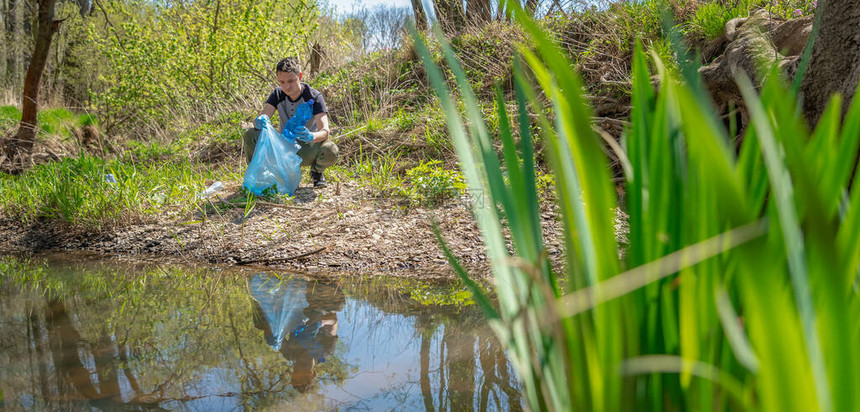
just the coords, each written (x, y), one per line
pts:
(10, 116)
(57, 121)
(52, 122)
(78, 191)
(709, 20)
(429, 184)
(378, 173)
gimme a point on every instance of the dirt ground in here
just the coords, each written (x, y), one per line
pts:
(337, 230)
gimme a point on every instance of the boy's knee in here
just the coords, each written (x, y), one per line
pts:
(328, 153)
(329, 148)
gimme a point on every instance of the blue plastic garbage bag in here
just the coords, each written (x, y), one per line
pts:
(282, 303)
(276, 163)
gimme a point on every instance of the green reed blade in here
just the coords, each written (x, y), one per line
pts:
(783, 197)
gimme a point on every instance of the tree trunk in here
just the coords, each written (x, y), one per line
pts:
(317, 54)
(835, 63)
(23, 141)
(4, 15)
(420, 15)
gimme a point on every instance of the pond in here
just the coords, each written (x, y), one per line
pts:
(82, 335)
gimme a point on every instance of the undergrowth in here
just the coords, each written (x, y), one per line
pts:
(80, 191)
(52, 122)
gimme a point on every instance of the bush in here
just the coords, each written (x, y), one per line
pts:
(177, 63)
(428, 183)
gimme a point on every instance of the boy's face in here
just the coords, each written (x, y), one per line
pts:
(290, 83)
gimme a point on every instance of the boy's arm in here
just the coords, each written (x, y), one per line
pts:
(268, 110)
(323, 131)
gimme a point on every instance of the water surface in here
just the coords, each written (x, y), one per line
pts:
(106, 336)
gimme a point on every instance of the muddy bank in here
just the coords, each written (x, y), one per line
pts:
(337, 230)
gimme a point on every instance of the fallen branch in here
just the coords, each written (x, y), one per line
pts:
(272, 260)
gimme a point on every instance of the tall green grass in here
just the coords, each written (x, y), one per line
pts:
(51, 121)
(75, 190)
(709, 20)
(738, 288)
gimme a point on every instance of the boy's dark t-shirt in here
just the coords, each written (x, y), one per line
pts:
(286, 107)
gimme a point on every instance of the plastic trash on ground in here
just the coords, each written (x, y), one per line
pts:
(212, 189)
(276, 163)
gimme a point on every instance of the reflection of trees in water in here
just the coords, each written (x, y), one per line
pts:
(146, 345)
(457, 368)
(159, 344)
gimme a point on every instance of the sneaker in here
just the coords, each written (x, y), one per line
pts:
(319, 179)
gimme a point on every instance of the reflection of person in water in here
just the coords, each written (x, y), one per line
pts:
(304, 337)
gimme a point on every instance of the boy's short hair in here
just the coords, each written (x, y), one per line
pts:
(289, 65)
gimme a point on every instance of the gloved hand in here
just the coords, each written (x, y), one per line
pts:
(261, 122)
(302, 134)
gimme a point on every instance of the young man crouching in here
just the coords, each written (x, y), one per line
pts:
(317, 150)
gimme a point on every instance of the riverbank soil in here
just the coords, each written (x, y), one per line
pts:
(337, 230)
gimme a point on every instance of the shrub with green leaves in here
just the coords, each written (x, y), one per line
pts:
(738, 288)
(429, 183)
(171, 62)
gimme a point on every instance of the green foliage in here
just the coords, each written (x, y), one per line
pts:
(737, 290)
(75, 190)
(402, 120)
(179, 61)
(545, 185)
(58, 122)
(225, 128)
(378, 173)
(428, 183)
(150, 152)
(709, 21)
(435, 134)
(788, 9)
(9, 116)
(87, 120)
